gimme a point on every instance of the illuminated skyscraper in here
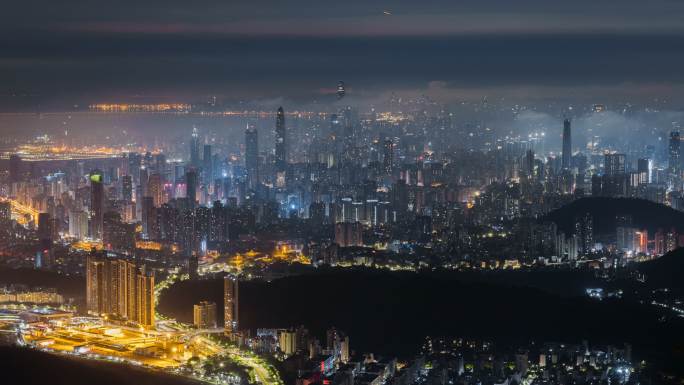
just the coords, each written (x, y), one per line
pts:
(145, 298)
(349, 134)
(119, 287)
(674, 159)
(252, 156)
(644, 168)
(78, 224)
(194, 148)
(280, 142)
(340, 90)
(95, 288)
(614, 164)
(127, 188)
(614, 178)
(230, 304)
(204, 315)
(567, 145)
(207, 163)
(155, 189)
(96, 204)
(388, 158)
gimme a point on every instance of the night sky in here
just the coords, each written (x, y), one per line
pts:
(87, 51)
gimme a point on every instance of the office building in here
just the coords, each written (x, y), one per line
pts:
(674, 156)
(191, 186)
(204, 315)
(567, 145)
(252, 156)
(194, 148)
(281, 141)
(155, 189)
(127, 188)
(96, 205)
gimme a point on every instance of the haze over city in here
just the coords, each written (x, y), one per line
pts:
(342, 193)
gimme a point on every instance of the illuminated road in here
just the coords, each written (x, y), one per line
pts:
(19, 211)
(172, 347)
(260, 371)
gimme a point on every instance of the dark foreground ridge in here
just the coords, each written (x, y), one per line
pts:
(666, 271)
(392, 313)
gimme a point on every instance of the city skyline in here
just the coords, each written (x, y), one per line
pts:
(309, 192)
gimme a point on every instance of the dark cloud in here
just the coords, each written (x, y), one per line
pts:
(181, 49)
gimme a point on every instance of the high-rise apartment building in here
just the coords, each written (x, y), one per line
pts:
(204, 315)
(120, 288)
(230, 304)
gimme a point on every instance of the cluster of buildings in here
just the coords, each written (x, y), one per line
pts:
(464, 361)
(120, 289)
(24, 294)
(348, 186)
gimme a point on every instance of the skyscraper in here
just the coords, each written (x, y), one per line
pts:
(567, 145)
(96, 204)
(120, 288)
(155, 189)
(281, 141)
(45, 230)
(191, 186)
(349, 135)
(252, 156)
(674, 158)
(388, 158)
(207, 169)
(644, 168)
(194, 148)
(127, 188)
(147, 216)
(230, 304)
(614, 164)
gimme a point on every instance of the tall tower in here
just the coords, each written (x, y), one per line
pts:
(191, 186)
(194, 148)
(388, 158)
(567, 145)
(252, 156)
(95, 289)
(96, 205)
(127, 188)
(155, 189)
(349, 137)
(207, 164)
(280, 141)
(674, 158)
(230, 304)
